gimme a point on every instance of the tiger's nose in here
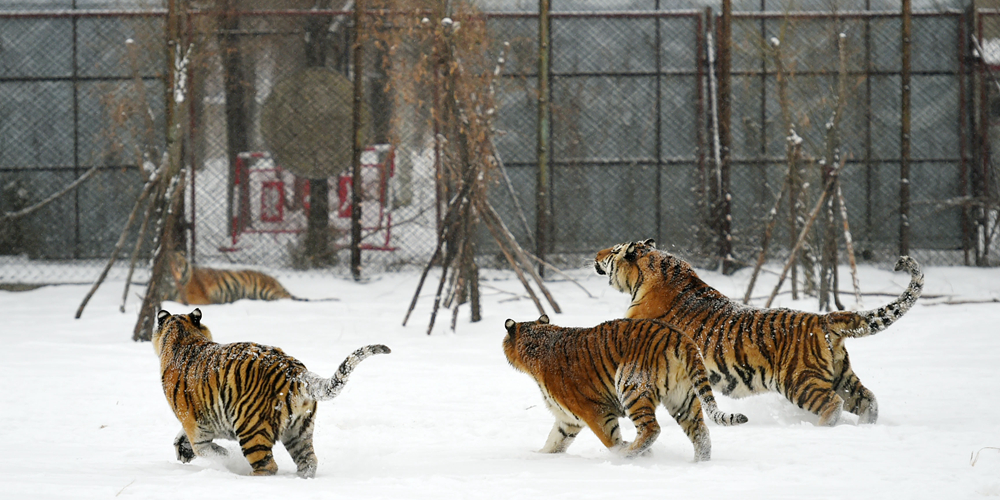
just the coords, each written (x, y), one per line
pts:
(598, 268)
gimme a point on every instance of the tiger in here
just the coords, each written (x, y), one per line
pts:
(204, 286)
(620, 368)
(244, 391)
(750, 350)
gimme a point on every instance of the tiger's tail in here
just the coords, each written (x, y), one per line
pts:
(702, 387)
(321, 389)
(879, 319)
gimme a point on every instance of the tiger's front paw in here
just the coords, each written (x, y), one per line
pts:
(185, 453)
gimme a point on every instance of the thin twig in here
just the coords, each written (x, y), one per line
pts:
(849, 244)
(960, 302)
(973, 458)
(513, 194)
(559, 272)
(34, 208)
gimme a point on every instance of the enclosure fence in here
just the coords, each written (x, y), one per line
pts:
(671, 125)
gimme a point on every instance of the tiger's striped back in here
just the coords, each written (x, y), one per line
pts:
(249, 392)
(622, 368)
(750, 350)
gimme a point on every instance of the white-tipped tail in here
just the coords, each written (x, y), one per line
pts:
(880, 319)
(321, 389)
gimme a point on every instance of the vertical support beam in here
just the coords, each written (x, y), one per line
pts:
(658, 128)
(543, 212)
(965, 28)
(869, 119)
(904, 137)
(76, 142)
(237, 139)
(981, 166)
(725, 218)
(359, 92)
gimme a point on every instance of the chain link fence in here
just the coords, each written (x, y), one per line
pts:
(632, 134)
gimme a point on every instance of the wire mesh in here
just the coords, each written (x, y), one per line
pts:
(631, 133)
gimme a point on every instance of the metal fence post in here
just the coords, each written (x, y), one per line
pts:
(904, 139)
(543, 209)
(356, 186)
(725, 218)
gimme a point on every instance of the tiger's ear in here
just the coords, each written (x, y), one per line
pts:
(195, 316)
(630, 252)
(509, 325)
(162, 316)
(543, 319)
(650, 242)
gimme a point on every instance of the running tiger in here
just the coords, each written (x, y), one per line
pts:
(621, 368)
(203, 286)
(750, 350)
(244, 391)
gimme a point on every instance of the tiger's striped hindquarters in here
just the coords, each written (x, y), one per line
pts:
(750, 350)
(252, 393)
(622, 368)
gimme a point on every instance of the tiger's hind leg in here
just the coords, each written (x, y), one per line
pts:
(687, 412)
(857, 398)
(298, 440)
(817, 395)
(642, 412)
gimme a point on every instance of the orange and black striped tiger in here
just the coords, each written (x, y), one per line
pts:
(249, 392)
(621, 368)
(750, 350)
(202, 285)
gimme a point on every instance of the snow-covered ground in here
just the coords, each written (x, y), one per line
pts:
(82, 414)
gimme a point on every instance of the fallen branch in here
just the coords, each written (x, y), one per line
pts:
(964, 301)
(38, 206)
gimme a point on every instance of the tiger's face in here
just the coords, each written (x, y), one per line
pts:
(523, 342)
(180, 268)
(179, 327)
(619, 263)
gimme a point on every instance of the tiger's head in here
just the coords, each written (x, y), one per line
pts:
(180, 268)
(524, 342)
(619, 263)
(174, 328)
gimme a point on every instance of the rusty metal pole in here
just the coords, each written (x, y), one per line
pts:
(904, 137)
(356, 183)
(725, 218)
(543, 213)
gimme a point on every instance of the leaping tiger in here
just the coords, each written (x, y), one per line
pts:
(750, 350)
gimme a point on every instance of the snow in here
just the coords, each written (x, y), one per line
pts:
(445, 416)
